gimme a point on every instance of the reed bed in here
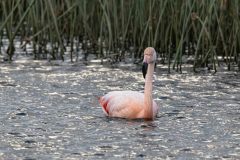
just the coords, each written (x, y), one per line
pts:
(202, 33)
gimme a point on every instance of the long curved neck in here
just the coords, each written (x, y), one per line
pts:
(148, 92)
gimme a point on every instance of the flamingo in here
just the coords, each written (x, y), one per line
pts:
(132, 104)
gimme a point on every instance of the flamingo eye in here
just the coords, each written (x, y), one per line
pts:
(148, 54)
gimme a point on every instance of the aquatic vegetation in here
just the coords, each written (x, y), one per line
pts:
(203, 33)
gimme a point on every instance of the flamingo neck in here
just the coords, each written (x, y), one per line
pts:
(148, 92)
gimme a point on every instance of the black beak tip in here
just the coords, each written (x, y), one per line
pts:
(144, 69)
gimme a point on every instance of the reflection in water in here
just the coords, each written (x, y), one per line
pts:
(51, 111)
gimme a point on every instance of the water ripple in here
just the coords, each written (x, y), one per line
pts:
(51, 111)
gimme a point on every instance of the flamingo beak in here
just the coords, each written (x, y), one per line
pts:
(144, 69)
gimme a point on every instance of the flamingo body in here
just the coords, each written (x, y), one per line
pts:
(131, 104)
(125, 104)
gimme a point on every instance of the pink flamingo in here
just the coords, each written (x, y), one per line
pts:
(132, 104)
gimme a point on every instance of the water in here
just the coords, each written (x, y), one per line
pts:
(50, 111)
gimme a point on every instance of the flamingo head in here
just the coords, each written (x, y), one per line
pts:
(150, 57)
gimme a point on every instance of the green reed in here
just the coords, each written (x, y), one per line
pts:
(202, 33)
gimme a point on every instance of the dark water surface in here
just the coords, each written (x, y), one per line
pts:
(50, 111)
